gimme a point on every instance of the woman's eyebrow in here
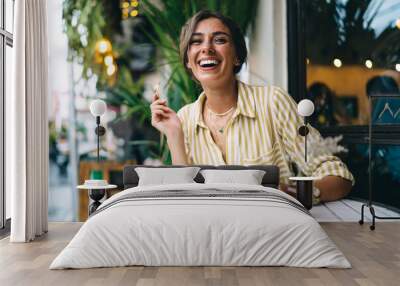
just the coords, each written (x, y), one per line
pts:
(220, 33)
(217, 33)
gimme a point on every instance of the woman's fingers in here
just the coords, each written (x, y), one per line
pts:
(159, 101)
(159, 115)
(156, 93)
(161, 107)
(159, 112)
(155, 97)
(162, 113)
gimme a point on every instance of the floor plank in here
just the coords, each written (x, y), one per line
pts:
(374, 255)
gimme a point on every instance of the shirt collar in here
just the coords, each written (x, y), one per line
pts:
(245, 104)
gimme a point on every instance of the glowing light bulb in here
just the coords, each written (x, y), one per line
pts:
(397, 66)
(337, 63)
(111, 70)
(103, 46)
(368, 64)
(108, 60)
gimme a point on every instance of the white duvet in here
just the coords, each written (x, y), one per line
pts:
(183, 231)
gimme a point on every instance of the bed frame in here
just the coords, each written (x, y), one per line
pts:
(270, 179)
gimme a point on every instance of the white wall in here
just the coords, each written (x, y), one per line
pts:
(268, 48)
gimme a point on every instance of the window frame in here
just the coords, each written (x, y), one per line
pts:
(296, 49)
(6, 39)
(297, 77)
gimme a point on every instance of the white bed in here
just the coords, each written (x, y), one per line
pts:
(224, 225)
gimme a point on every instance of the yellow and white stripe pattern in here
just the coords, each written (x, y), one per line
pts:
(262, 131)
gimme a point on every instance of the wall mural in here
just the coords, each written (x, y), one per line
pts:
(123, 42)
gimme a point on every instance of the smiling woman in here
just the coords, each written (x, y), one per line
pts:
(235, 123)
(218, 30)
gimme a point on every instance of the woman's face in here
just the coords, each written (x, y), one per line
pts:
(211, 53)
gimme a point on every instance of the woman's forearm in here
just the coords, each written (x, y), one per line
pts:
(333, 188)
(176, 145)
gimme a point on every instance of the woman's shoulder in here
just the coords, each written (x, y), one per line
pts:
(187, 109)
(192, 109)
(266, 87)
(265, 92)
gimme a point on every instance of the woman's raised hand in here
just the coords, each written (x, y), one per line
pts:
(163, 118)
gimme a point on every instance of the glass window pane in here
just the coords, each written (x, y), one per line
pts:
(9, 9)
(361, 56)
(385, 172)
(8, 68)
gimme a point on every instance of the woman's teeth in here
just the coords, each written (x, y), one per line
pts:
(208, 63)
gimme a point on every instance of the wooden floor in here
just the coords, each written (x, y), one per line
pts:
(347, 210)
(374, 255)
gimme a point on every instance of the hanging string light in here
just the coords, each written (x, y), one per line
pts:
(369, 64)
(108, 60)
(337, 63)
(129, 8)
(105, 56)
(103, 46)
(111, 69)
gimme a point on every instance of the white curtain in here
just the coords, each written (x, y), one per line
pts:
(27, 123)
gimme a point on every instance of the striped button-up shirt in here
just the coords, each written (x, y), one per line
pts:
(263, 130)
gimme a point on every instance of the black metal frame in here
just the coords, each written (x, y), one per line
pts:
(358, 134)
(369, 204)
(296, 49)
(6, 39)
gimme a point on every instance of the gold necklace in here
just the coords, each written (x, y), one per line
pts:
(212, 121)
(220, 114)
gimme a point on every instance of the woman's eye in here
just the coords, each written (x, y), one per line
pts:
(220, 40)
(195, 42)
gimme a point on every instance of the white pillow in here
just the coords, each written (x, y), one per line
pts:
(166, 176)
(249, 177)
